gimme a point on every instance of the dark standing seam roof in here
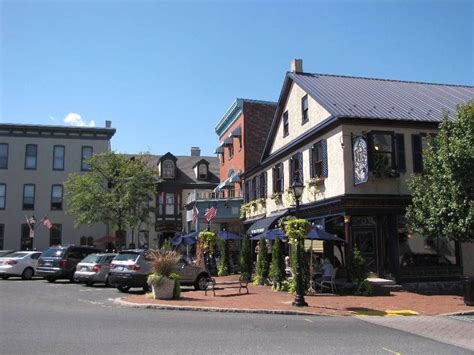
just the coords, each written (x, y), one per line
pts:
(346, 96)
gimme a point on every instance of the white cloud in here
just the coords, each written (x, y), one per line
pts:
(52, 118)
(75, 119)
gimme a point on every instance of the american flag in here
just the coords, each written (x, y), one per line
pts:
(210, 214)
(46, 222)
(195, 214)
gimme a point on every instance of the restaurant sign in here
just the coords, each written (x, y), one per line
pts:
(360, 159)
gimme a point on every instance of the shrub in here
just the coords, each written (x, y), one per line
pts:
(261, 273)
(364, 288)
(177, 285)
(358, 271)
(277, 270)
(155, 279)
(167, 245)
(224, 262)
(245, 262)
(163, 262)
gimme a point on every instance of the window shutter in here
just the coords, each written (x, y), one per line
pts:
(324, 158)
(282, 178)
(417, 151)
(400, 148)
(274, 179)
(264, 183)
(300, 166)
(311, 162)
(292, 170)
(370, 151)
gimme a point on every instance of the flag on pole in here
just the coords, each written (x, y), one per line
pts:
(46, 222)
(210, 214)
(195, 214)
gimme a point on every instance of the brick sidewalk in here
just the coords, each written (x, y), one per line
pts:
(263, 298)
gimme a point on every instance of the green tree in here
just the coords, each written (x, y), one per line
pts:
(277, 269)
(262, 270)
(245, 262)
(443, 196)
(224, 262)
(296, 230)
(117, 191)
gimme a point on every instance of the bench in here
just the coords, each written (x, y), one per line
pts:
(211, 284)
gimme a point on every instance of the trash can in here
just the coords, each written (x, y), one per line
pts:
(468, 286)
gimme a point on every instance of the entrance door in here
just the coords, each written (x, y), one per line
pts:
(365, 240)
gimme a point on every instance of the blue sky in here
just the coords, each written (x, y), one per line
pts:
(165, 72)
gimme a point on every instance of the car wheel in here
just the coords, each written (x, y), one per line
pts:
(123, 288)
(107, 283)
(200, 283)
(89, 283)
(5, 277)
(146, 288)
(50, 279)
(27, 274)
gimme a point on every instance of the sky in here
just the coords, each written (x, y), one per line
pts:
(165, 72)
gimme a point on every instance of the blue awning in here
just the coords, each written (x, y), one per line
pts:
(236, 177)
(271, 235)
(226, 235)
(264, 224)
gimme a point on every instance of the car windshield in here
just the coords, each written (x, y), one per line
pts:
(91, 259)
(5, 252)
(53, 252)
(17, 255)
(126, 256)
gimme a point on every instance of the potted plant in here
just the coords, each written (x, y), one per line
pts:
(163, 264)
(276, 196)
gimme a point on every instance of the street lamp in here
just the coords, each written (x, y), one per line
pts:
(299, 301)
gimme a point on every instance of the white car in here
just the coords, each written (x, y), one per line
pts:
(20, 263)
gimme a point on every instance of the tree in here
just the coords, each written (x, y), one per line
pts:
(277, 269)
(262, 270)
(245, 262)
(443, 196)
(117, 191)
(224, 262)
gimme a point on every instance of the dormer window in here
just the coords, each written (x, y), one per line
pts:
(202, 172)
(168, 169)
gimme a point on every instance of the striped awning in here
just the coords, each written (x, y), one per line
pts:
(237, 132)
(228, 141)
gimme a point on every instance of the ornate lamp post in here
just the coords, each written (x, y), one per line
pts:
(299, 301)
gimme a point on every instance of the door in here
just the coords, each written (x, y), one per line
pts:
(365, 240)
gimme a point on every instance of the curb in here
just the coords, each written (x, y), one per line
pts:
(462, 313)
(123, 303)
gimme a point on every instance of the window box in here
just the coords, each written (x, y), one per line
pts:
(316, 181)
(276, 196)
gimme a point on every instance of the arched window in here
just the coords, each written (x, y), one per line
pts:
(203, 172)
(168, 169)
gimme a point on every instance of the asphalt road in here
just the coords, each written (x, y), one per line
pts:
(41, 318)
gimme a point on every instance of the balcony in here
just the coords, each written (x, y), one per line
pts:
(208, 196)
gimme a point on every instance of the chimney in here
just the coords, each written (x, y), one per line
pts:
(195, 151)
(297, 65)
(108, 124)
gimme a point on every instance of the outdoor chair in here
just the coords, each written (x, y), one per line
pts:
(328, 284)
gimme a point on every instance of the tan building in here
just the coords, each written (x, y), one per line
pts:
(353, 142)
(35, 161)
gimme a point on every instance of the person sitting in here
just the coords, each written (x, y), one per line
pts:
(328, 271)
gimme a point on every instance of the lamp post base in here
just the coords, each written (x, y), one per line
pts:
(299, 302)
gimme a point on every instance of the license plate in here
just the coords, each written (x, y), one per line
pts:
(119, 268)
(83, 268)
(48, 264)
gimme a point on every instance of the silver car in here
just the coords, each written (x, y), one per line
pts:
(20, 263)
(191, 275)
(94, 268)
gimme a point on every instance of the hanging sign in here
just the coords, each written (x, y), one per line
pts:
(361, 167)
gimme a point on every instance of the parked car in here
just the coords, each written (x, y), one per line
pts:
(129, 269)
(20, 263)
(59, 262)
(94, 269)
(5, 252)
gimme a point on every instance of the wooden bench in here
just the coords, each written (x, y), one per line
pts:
(211, 284)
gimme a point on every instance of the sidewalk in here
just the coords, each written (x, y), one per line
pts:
(264, 299)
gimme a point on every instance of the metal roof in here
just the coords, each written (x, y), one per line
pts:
(358, 97)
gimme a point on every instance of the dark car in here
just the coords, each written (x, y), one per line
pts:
(59, 262)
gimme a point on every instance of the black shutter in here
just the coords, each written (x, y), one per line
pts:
(282, 179)
(324, 157)
(264, 184)
(400, 148)
(370, 151)
(417, 150)
(300, 166)
(311, 162)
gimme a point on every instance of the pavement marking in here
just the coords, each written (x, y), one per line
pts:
(308, 320)
(391, 351)
(388, 312)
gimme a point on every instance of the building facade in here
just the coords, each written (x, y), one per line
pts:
(34, 163)
(354, 142)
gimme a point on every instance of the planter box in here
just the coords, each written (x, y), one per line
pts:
(164, 291)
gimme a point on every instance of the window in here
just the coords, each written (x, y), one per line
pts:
(86, 153)
(263, 185)
(3, 156)
(83, 240)
(58, 157)
(170, 203)
(419, 144)
(160, 202)
(26, 242)
(55, 234)
(278, 178)
(28, 197)
(319, 160)
(255, 188)
(286, 128)
(304, 109)
(386, 153)
(231, 151)
(247, 191)
(31, 152)
(57, 197)
(202, 172)
(2, 234)
(168, 169)
(3, 196)
(296, 168)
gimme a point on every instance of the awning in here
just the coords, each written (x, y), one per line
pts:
(226, 235)
(262, 225)
(223, 184)
(219, 150)
(228, 141)
(235, 178)
(237, 132)
(271, 235)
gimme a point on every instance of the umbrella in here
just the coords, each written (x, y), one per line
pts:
(177, 239)
(318, 234)
(226, 235)
(190, 238)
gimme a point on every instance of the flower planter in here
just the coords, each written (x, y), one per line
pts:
(163, 291)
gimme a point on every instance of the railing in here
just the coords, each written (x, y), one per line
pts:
(222, 195)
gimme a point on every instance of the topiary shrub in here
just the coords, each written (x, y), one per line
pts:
(296, 230)
(245, 262)
(277, 270)
(261, 273)
(224, 262)
(177, 285)
(358, 271)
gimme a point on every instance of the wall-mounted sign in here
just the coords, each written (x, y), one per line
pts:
(361, 167)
